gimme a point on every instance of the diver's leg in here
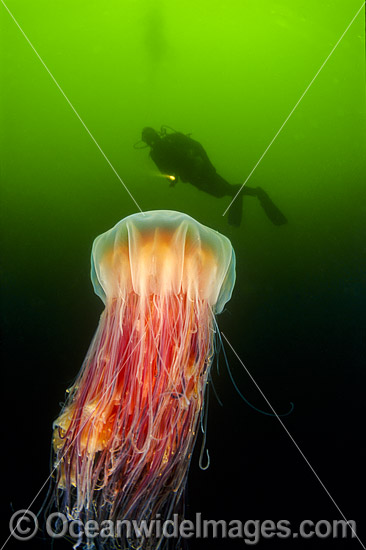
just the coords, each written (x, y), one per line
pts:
(236, 211)
(273, 213)
(251, 191)
(245, 190)
(271, 210)
(219, 187)
(216, 185)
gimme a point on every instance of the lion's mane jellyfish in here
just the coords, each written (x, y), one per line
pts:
(124, 439)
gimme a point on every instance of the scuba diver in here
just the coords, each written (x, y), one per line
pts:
(178, 156)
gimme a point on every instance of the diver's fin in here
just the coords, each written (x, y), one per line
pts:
(236, 211)
(273, 213)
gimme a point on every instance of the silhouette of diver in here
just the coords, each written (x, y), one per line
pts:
(179, 156)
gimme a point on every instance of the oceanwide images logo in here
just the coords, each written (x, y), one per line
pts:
(24, 526)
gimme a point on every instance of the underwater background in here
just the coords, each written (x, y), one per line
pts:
(229, 73)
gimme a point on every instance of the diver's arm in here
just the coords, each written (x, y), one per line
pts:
(171, 176)
(163, 167)
(158, 162)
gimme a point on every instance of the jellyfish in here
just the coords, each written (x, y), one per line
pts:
(124, 439)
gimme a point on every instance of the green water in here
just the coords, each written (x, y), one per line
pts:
(229, 73)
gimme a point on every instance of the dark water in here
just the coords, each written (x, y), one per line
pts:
(230, 73)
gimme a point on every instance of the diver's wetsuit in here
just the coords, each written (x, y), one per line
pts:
(180, 156)
(183, 157)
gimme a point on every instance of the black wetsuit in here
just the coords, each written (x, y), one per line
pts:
(183, 157)
(180, 156)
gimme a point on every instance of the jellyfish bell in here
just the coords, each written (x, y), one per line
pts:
(125, 436)
(163, 252)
